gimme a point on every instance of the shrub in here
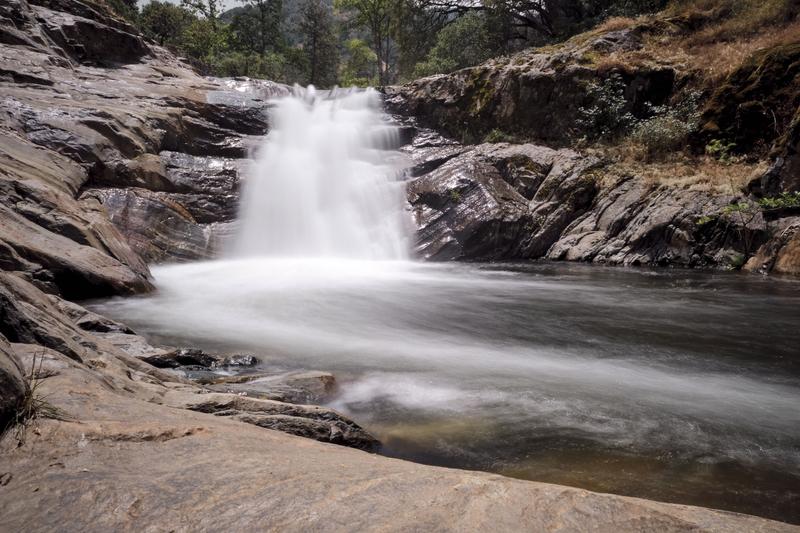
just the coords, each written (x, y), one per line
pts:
(360, 69)
(607, 116)
(498, 136)
(668, 128)
(164, 22)
(785, 200)
(720, 150)
(34, 405)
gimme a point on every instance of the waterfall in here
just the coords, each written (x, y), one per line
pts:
(324, 184)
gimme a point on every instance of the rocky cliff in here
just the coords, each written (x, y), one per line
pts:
(541, 198)
(113, 155)
(525, 201)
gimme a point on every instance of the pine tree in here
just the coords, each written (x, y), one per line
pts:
(319, 42)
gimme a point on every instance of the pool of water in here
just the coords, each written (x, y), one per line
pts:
(672, 385)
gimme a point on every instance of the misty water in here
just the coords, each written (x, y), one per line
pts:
(672, 385)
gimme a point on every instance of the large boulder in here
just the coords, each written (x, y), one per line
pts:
(27, 315)
(781, 254)
(158, 227)
(499, 201)
(88, 40)
(632, 222)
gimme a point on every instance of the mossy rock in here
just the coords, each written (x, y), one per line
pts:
(756, 103)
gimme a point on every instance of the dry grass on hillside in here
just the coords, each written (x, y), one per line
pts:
(733, 19)
(734, 30)
(615, 24)
(730, 31)
(688, 172)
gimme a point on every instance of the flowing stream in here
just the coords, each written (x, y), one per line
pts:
(673, 385)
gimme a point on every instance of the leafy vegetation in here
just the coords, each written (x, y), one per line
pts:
(720, 150)
(668, 128)
(499, 136)
(786, 200)
(607, 116)
(460, 44)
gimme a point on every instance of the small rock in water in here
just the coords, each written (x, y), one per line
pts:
(239, 360)
(195, 359)
(308, 387)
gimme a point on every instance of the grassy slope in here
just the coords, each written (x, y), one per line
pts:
(709, 42)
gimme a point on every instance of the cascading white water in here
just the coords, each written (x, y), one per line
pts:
(324, 184)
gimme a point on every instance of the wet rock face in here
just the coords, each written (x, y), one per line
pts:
(513, 202)
(158, 227)
(499, 202)
(194, 358)
(300, 387)
(87, 35)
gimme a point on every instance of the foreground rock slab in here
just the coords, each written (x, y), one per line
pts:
(123, 463)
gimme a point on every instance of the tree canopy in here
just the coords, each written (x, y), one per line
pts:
(361, 42)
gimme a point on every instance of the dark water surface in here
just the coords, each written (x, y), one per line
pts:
(672, 385)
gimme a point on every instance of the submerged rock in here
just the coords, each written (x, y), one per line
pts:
(314, 422)
(303, 387)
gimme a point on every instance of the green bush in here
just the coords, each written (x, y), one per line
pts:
(607, 115)
(164, 22)
(783, 201)
(668, 128)
(498, 136)
(720, 150)
(360, 68)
